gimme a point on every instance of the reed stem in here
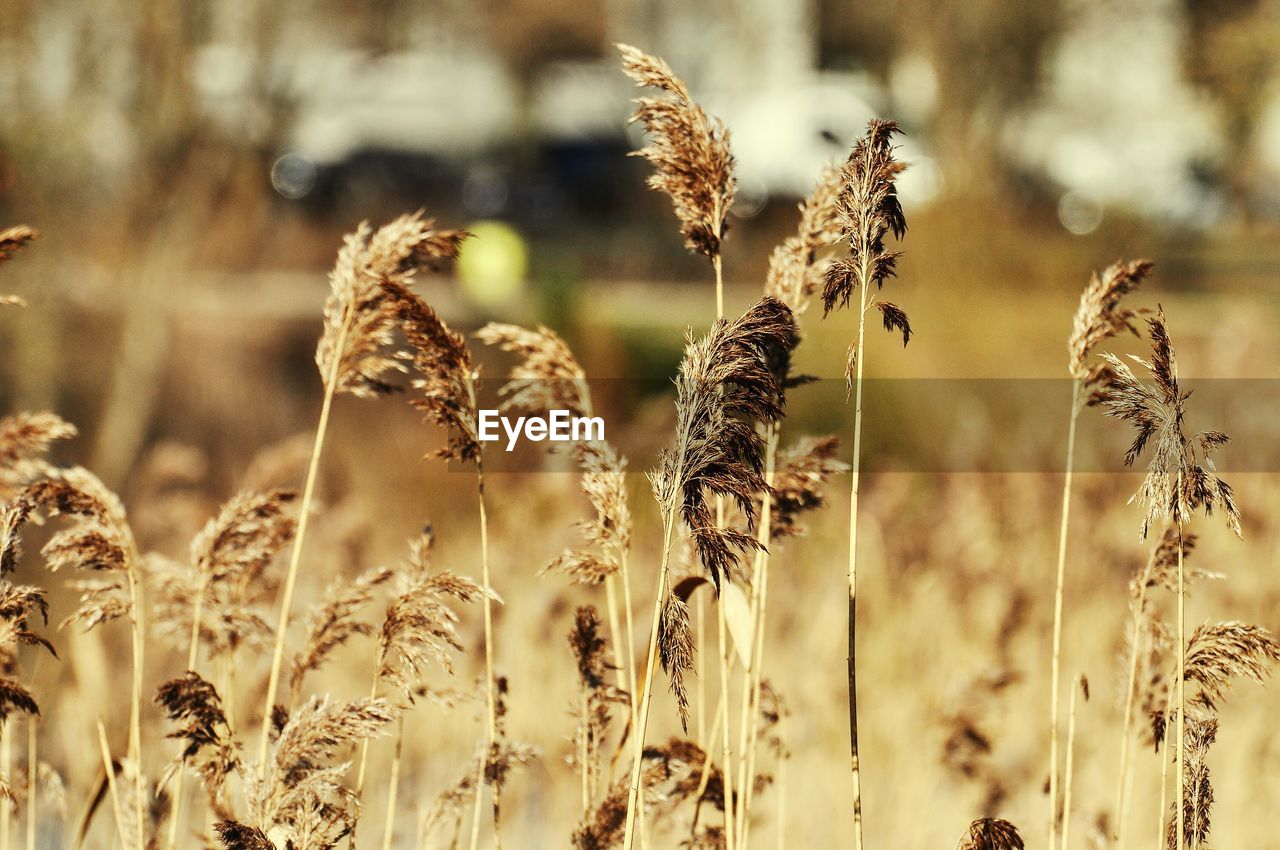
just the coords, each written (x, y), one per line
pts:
(393, 788)
(1122, 785)
(854, 766)
(1056, 664)
(491, 730)
(1066, 794)
(638, 733)
(32, 785)
(295, 554)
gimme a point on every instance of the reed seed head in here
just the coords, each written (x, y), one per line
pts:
(359, 315)
(1099, 315)
(868, 211)
(1180, 477)
(724, 388)
(689, 151)
(445, 372)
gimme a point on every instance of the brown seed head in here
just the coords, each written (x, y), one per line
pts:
(690, 153)
(359, 316)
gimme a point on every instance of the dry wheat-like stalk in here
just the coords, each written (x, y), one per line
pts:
(799, 485)
(549, 377)
(99, 541)
(689, 151)
(446, 385)
(1147, 686)
(208, 748)
(360, 319)
(725, 387)
(795, 274)
(1197, 783)
(1221, 652)
(419, 628)
(1098, 317)
(216, 599)
(1179, 479)
(597, 696)
(868, 211)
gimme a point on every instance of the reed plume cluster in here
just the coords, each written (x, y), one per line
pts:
(285, 763)
(360, 320)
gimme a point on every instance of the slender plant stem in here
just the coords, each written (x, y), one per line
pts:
(6, 758)
(1055, 672)
(193, 652)
(725, 733)
(1135, 641)
(393, 788)
(135, 709)
(700, 686)
(295, 554)
(32, 786)
(1066, 793)
(704, 777)
(782, 784)
(111, 783)
(638, 733)
(854, 766)
(491, 731)
(1161, 842)
(755, 671)
(1182, 681)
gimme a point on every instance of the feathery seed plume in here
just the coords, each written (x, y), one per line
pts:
(724, 388)
(690, 153)
(1179, 477)
(359, 315)
(446, 373)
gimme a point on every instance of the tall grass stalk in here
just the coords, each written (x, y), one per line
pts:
(1055, 671)
(32, 788)
(299, 538)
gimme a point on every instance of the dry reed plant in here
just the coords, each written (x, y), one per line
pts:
(218, 597)
(1179, 480)
(694, 166)
(795, 272)
(724, 388)
(99, 542)
(352, 357)
(445, 380)
(1158, 570)
(1098, 318)
(868, 211)
(690, 152)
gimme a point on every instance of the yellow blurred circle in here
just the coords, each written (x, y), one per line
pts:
(493, 263)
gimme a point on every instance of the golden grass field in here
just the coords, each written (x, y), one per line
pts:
(955, 614)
